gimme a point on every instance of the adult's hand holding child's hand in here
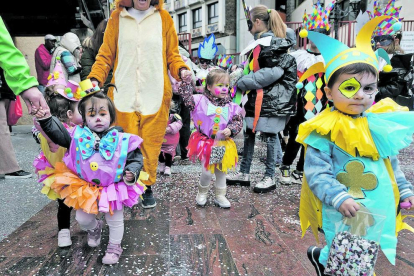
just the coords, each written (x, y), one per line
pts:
(226, 132)
(186, 76)
(40, 113)
(349, 208)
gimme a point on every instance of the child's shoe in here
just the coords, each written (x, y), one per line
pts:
(161, 167)
(167, 171)
(221, 199)
(285, 175)
(297, 177)
(201, 198)
(64, 239)
(94, 235)
(265, 185)
(112, 254)
(313, 256)
(238, 178)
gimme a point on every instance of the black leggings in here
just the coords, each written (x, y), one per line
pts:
(63, 215)
(165, 158)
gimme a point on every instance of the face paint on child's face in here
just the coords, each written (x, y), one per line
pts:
(220, 89)
(353, 93)
(350, 87)
(97, 116)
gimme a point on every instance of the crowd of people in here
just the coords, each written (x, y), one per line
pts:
(110, 112)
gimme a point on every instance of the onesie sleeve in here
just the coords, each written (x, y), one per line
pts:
(56, 131)
(405, 187)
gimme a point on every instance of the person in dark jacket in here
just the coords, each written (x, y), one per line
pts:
(90, 50)
(276, 78)
(393, 84)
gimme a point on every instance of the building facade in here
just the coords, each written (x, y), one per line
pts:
(201, 18)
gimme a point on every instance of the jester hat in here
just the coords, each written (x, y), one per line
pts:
(338, 55)
(57, 77)
(319, 18)
(225, 61)
(208, 48)
(387, 26)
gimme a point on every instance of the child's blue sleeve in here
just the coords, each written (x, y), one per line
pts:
(320, 176)
(405, 187)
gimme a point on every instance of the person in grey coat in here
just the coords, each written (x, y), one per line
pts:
(277, 77)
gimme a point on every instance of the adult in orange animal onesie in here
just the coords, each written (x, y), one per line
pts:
(141, 45)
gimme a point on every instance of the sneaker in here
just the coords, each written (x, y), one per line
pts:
(94, 235)
(278, 165)
(240, 178)
(161, 167)
(297, 176)
(285, 176)
(267, 184)
(167, 170)
(177, 158)
(313, 256)
(19, 174)
(64, 238)
(148, 200)
(112, 254)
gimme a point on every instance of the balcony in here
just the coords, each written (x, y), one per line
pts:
(212, 28)
(191, 2)
(196, 32)
(179, 4)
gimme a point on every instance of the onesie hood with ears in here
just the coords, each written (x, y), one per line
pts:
(70, 41)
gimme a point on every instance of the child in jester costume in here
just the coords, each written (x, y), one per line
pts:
(311, 96)
(206, 53)
(351, 148)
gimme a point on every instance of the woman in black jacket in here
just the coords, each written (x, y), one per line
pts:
(394, 84)
(276, 78)
(90, 50)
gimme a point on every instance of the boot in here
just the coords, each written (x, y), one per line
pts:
(221, 199)
(201, 198)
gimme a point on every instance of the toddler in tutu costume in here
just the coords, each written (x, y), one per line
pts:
(216, 119)
(100, 170)
(63, 99)
(171, 140)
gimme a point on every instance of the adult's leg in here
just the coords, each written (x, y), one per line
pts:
(270, 158)
(292, 147)
(185, 130)
(249, 140)
(161, 157)
(299, 165)
(63, 215)
(8, 161)
(116, 226)
(151, 129)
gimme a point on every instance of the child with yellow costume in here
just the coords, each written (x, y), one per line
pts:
(351, 148)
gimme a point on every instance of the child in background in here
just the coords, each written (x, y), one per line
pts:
(100, 169)
(351, 163)
(63, 100)
(217, 119)
(171, 139)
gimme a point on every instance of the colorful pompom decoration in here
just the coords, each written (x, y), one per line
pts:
(387, 68)
(82, 94)
(68, 90)
(303, 33)
(299, 85)
(70, 95)
(397, 26)
(57, 58)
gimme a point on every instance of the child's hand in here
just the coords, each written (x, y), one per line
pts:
(349, 208)
(411, 200)
(186, 76)
(226, 132)
(39, 113)
(129, 176)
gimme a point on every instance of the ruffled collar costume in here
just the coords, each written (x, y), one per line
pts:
(361, 152)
